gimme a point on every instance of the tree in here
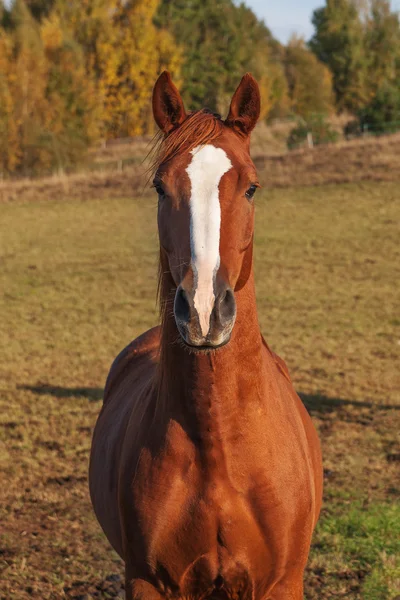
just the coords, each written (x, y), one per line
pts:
(28, 87)
(48, 116)
(9, 146)
(125, 53)
(39, 8)
(382, 44)
(309, 81)
(206, 30)
(319, 127)
(74, 114)
(383, 113)
(339, 43)
(260, 54)
(221, 42)
(130, 58)
(87, 21)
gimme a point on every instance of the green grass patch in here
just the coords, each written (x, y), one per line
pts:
(361, 544)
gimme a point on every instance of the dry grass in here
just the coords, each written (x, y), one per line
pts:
(78, 283)
(131, 148)
(270, 140)
(364, 159)
(79, 186)
(367, 159)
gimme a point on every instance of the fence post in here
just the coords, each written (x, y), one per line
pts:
(310, 140)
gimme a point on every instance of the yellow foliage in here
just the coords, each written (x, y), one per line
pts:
(9, 146)
(266, 96)
(48, 104)
(51, 33)
(273, 91)
(310, 81)
(124, 54)
(131, 57)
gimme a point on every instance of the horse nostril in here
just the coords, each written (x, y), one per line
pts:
(226, 306)
(181, 306)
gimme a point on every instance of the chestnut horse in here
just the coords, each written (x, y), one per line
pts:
(205, 469)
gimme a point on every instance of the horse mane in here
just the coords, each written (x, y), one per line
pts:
(200, 127)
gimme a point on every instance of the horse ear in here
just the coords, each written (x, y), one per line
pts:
(245, 106)
(168, 109)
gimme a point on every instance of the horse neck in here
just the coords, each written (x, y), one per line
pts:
(189, 383)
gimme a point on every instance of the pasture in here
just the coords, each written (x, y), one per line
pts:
(78, 282)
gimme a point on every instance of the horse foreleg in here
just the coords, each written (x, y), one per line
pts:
(139, 589)
(289, 590)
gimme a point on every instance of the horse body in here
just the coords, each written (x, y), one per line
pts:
(205, 469)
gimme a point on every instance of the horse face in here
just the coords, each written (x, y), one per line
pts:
(206, 222)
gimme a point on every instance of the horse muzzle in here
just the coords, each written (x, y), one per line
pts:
(205, 321)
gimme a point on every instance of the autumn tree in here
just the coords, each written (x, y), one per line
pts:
(309, 81)
(360, 42)
(222, 41)
(130, 58)
(338, 42)
(28, 86)
(382, 46)
(382, 114)
(206, 31)
(260, 54)
(47, 119)
(125, 52)
(9, 146)
(39, 8)
(88, 21)
(73, 120)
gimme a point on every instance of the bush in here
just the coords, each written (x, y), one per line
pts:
(45, 152)
(320, 128)
(383, 113)
(352, 129)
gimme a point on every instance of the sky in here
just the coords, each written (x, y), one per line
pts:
(284, 17)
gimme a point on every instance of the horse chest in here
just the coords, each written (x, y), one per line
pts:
(210, 508)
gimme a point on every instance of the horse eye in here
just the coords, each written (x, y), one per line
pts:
(251, 191)
(159, 190)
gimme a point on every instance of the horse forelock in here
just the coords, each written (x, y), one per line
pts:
(199, 128)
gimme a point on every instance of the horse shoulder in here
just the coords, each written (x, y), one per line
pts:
(124, 390)
(313, 443)
(146, 345)
(279, 362)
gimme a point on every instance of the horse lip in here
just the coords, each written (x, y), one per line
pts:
(205, 347)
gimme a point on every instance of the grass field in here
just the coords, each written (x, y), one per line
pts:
(77, 283)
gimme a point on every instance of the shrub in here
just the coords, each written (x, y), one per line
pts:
(352, 129)
(383, 112)
(320, 128)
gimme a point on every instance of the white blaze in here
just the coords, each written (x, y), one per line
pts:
(205, 171)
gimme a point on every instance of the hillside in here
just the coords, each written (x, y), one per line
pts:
(366, 159)
(120, 170)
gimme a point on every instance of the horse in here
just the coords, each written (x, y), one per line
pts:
(205, 470)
